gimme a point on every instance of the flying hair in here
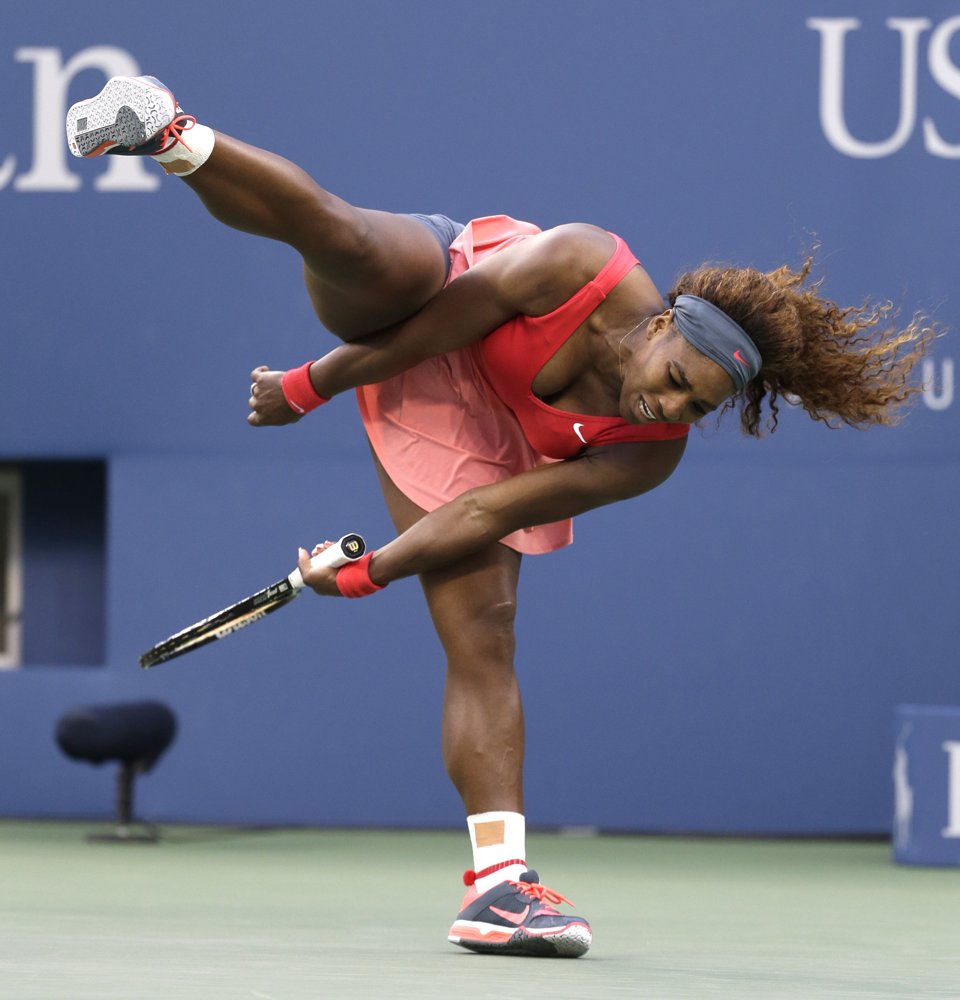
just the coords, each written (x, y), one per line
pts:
(844, 365)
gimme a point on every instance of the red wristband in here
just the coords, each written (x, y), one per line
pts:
(353, 579)
(298, 390)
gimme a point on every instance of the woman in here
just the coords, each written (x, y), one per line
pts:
(508, 379)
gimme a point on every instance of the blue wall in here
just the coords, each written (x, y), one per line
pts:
(724, 654)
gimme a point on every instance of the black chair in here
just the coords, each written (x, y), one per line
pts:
(133, 733)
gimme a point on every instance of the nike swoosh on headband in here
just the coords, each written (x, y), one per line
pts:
(714, 334)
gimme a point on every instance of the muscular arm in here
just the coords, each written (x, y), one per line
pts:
(598, 476)
(531, 277)
(465, 311)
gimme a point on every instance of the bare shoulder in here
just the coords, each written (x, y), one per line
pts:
(585, 241)
(539, 274)
(566, 258)
(577, 244)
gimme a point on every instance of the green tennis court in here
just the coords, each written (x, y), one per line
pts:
(288, 914)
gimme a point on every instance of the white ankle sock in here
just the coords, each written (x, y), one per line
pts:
(497, 837)
(190, 153)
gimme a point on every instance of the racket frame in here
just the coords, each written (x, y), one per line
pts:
(251, 609)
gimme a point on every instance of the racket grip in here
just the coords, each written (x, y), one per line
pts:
(349, 548)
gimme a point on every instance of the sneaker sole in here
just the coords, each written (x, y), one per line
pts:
(569, 941)
(128, 112)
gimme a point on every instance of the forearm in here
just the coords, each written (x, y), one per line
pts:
(363, 362)
(463, 313)
(451, 532)
(548, 493)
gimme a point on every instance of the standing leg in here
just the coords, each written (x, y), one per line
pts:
(472, 604)
(506, 910)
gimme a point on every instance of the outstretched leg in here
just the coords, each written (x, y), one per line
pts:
(365, 270)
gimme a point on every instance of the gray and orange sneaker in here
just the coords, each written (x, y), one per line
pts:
(131, 116)
(517, 918)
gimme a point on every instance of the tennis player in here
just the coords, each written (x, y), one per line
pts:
(508, 379)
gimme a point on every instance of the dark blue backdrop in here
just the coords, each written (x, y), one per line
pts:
(759, 700)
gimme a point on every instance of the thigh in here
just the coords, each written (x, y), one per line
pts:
(472, 602)
(399, 267)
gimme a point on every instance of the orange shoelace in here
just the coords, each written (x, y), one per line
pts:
(173, 133)
(541, 893)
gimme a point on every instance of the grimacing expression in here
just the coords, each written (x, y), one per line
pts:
(666, 379)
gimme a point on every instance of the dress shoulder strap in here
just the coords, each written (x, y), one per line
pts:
(579, 306)
(620, 262)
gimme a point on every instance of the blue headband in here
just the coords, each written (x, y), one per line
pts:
(711, 331)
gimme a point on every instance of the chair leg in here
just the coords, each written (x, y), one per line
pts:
(125, 778)
(123, 834)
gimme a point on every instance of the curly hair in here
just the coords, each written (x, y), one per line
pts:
(843, 365)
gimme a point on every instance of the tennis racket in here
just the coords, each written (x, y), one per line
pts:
(250, 609)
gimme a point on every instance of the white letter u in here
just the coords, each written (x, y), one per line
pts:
(833, 32)
(938, 400)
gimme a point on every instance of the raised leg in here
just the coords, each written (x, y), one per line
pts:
(364, 269)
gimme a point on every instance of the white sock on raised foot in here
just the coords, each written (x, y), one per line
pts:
(497, 837)
(190, 153)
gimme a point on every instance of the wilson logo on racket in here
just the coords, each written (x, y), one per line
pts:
(236, 626)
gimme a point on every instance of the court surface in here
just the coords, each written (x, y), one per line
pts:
(294, 914)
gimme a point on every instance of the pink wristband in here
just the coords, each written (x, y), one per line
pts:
(298, 390)
(353, 579)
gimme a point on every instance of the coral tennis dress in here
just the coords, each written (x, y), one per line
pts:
(470, 418)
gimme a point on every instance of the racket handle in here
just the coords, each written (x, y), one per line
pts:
(349, 548)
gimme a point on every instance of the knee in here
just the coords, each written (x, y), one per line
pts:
(336, 235)
(484, 637)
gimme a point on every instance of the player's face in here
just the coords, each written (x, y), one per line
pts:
(666, 380)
